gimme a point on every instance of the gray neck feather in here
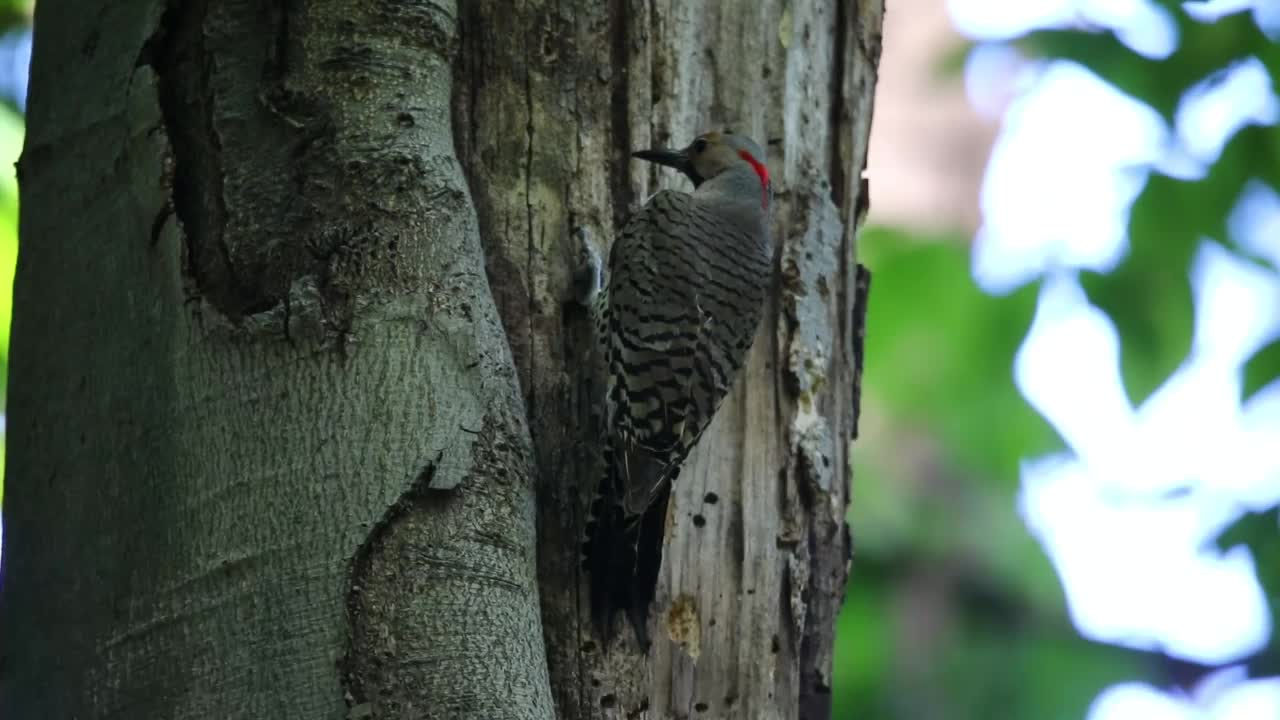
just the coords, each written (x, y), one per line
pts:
(738, 184)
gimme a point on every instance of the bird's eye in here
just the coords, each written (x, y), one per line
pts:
(699, 145)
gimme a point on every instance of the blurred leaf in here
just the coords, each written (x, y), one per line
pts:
(863, 653)
(1203, 49)
(944, 428)
(1149, 295)
(11, 135)
(1260, 532)
(940, 351)
(951, 62)
(15, 14)
(1262, 369)
(1047, 673)
(918, 641)
(966, 619)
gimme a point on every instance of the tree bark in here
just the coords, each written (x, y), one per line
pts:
(268, 455)
(551, 98)
(273, 440)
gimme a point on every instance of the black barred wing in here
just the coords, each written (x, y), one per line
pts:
(684, 300)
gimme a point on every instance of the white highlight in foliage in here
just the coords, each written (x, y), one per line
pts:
(1128, 701)
(993, 73)
(1142, 25)
(1000, 21)
(1254, 222)
(1213, 110)
(1224, 695)
(1129, 515)
(1073, 155)
(1068, 369)
(1266, 13)
(1075, 152)
(1136, 569)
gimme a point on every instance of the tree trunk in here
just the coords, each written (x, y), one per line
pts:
(268, 454)
(270, 449)
(550, 99)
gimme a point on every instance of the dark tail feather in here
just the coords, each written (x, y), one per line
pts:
(622, 555)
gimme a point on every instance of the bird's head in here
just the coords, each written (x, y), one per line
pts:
(718, 154)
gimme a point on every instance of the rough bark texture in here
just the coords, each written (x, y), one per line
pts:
(268, 456)
(270, 448)
(550, 99)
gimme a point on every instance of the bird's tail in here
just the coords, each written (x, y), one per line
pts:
(622, 555)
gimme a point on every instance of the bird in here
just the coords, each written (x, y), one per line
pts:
(687, 281)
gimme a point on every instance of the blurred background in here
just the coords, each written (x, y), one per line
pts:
(1066, 488)
(15, 57)
(1065, 492)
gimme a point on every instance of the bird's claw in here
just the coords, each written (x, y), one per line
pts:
(588, 270)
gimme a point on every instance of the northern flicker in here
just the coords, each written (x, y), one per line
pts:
(686, 287)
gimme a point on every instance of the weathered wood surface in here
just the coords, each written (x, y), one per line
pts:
(551, 99)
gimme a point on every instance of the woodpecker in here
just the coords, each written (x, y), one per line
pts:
(687, 281)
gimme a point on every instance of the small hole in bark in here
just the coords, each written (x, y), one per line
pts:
(608, 701)
(700, 707)
(774, 645)
(405, 120)
(711, 498)
(699, 521)
(589, 646)
(826, 461)
(711, 622)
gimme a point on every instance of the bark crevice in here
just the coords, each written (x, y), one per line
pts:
(836, 165)
(178, 55)
(619, 177)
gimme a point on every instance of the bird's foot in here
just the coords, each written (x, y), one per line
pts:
(587, 266)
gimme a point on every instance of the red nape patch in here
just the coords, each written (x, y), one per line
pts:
(762, 172)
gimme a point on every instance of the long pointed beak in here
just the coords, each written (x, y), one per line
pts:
(677, 159)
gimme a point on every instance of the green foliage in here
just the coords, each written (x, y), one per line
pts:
(1148, 297)
(1260, 532)
(11, 134)
(1049, 672)
(1262, 369)
(944, 430)
(1203, 49)
(939, 372)
(953, 610)
(15, 13)
(944, 349)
